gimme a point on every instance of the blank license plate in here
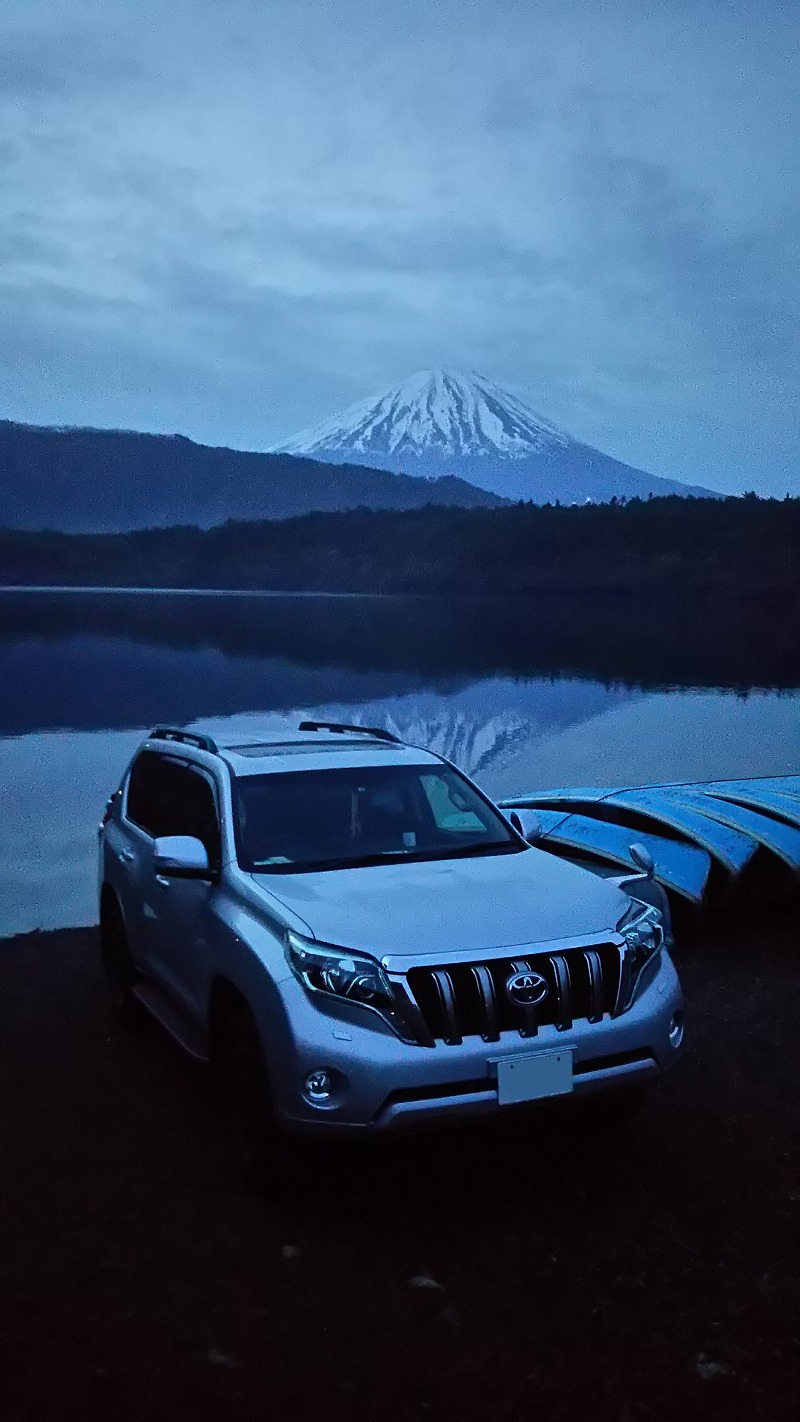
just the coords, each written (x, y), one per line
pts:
(531, 1078)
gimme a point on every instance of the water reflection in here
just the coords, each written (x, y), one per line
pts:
(82, 678)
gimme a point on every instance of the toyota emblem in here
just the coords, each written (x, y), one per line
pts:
(527, 989)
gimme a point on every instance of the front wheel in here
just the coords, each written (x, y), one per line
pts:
(241, 1089)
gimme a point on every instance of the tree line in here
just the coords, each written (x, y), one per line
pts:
(731, 547)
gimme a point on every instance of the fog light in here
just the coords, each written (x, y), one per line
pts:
(318, 1086)
(676, 1029)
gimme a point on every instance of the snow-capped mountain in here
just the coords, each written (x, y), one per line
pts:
(434, 410)
(439, 422)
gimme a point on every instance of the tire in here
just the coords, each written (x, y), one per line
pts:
(120, 970)
(241, 1089)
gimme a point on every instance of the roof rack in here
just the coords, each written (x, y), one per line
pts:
(342, 728)
(187, 738)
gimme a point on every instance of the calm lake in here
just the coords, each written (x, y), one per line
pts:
(521, 697)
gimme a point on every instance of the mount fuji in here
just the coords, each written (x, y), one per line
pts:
(441, 423)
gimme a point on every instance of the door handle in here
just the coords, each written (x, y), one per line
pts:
(127, 855)
(165, 883)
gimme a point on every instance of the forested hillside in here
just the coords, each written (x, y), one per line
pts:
(101, 480)
(735, 546)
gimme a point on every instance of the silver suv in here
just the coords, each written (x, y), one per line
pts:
(357, 939)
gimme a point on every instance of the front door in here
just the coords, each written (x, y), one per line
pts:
(184, 908)
(177, 914)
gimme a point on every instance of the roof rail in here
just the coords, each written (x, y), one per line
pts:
(341, 727)
(187, 738)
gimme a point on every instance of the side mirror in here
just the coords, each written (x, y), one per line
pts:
(526, 823)
(181, 856)
(643, 859)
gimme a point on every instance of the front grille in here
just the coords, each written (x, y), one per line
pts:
(466, 999)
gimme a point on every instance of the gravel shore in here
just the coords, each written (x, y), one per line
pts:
(534, 1268)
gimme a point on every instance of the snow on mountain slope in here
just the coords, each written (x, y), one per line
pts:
(434, 410)
(439, 422)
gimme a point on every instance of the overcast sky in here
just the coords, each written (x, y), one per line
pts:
(230, 218)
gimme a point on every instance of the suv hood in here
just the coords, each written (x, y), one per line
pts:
(450, 906)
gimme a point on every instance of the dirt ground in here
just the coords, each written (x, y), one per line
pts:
(571, 1276)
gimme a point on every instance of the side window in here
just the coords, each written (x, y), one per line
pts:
(193, 809)
(143, 802)
(165, 797)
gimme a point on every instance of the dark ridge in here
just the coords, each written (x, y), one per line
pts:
(94, 481)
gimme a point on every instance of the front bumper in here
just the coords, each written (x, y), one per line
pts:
(384, 1084)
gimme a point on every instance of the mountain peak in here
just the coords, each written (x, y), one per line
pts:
(441, 422)
(440, 412)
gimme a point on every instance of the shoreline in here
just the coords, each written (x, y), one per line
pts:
(28, 935)
(189, 592)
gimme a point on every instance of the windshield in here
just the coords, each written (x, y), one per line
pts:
(336, 819)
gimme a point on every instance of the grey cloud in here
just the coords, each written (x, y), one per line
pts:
(448, 247)
(307, 206)
(741, 291)
(19, 245)
(37, 66)
(513, 109)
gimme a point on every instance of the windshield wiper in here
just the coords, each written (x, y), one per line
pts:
(309, 866)
(391, 856)
(496, 846)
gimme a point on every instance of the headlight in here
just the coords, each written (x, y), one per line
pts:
(338, 973)
(642, 927)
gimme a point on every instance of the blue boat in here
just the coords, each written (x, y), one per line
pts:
(683, 826)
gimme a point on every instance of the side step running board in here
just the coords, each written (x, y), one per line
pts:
(169, 1016)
